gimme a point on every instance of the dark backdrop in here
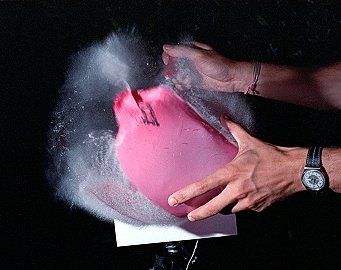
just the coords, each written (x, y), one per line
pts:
(36, 41)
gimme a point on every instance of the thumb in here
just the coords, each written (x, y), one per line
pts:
(235, 129)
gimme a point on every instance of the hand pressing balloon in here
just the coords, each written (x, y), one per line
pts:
(258, 176)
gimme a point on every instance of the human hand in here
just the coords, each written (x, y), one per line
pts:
(208, 68)
(259, 175)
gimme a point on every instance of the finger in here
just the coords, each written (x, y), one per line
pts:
(260, 208)
(202, 45)
(183, 81)
(187, 83)
(165, 58)
(180, 87)
(212, 207)
(174, 81)
(182, 51)
(240, 206)
(235, 129)
(180, 77)
(198, 45)
(212, 181)
(247, 204)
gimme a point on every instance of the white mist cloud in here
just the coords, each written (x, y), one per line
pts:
(83, 167)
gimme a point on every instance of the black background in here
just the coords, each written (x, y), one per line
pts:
(37, 39)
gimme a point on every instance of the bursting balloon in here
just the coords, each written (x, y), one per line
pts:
(162, 145)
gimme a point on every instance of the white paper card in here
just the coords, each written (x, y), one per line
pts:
(216, 226)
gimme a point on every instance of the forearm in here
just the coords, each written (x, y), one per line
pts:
(312, 87)
(331, 160)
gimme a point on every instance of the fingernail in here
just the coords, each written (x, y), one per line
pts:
(172, 202)
(190, 218)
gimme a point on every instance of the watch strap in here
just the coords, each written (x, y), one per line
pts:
(314, 157)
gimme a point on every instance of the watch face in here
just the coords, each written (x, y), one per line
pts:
(313, 179)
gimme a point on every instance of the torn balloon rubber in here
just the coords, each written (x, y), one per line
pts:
(161, 159)
(147, 113)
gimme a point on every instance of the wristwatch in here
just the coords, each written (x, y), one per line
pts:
(314, 177)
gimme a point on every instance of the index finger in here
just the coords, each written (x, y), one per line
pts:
(218, 178)
(182, 51)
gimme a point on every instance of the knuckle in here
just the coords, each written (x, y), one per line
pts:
(249, 203)
(201, 186)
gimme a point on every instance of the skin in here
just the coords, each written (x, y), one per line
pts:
(261, 173)
(215, 70)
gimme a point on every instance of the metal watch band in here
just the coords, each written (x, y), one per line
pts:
(314, 157)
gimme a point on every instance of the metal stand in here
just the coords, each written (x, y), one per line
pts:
(175, 257)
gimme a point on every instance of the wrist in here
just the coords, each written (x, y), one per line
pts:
(242, 76)
(297, 158)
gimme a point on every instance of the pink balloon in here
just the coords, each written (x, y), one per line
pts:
(166, 146)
